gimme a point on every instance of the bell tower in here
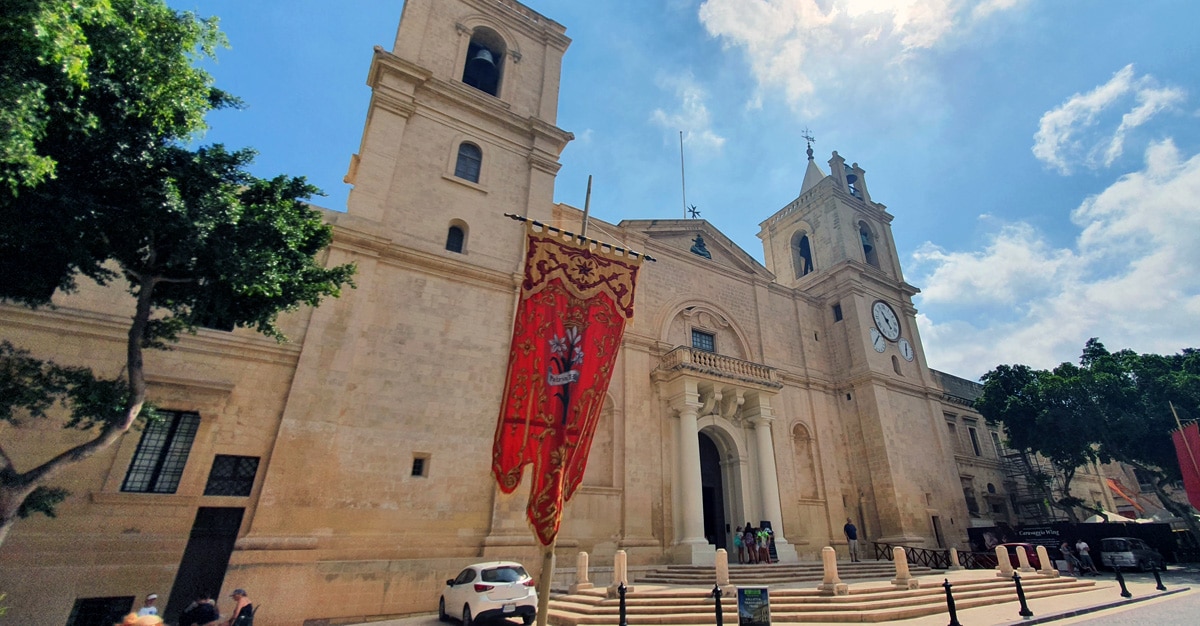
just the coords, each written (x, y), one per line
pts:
(461, 128)
(833, 245)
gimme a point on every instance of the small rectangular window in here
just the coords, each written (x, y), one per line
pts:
(162, 453)
(837, 312)
(704, 341)
(420, 465)
(231, 475)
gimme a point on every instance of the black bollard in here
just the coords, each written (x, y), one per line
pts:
(1025, 612)
(1121, 580)
(1157, 579)
(716, 593)
(621, 615)
(950, 604)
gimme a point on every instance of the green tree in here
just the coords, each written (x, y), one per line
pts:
(1046, 413)
(107, 188)
(1112, 406)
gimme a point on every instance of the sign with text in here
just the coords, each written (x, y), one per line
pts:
(754, 606)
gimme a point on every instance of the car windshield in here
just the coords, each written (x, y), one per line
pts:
(506, 574)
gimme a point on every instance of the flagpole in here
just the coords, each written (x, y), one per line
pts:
(682, 175)
(587, 203)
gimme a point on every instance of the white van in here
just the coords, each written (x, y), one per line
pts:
(1128, 553)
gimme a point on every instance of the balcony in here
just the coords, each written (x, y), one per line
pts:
(716, 366)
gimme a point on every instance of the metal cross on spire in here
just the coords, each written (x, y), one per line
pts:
(806, 134)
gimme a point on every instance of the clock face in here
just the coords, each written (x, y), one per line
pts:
(906, 349)
(877, 341)
(886, 320)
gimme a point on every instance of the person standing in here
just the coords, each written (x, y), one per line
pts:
(200, 613)
(1085, 558)
(1065, 548)
(243, 611)
(852, 539)
(751, 542)
(737, 543)
(148, 607)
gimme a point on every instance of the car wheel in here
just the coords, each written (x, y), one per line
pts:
(466, 618)
(528, 619)
(442, 616)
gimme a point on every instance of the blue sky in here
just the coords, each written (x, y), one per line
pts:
(1041, 157)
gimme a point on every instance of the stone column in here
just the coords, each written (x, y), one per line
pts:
(620, 574)
(722, 568)
(1004, 568)
(1048, 568)
(1023, 560)
(581, 574)
(761, 417)
(903, 579)
(955, 564)
(831, 584)
(689, 478)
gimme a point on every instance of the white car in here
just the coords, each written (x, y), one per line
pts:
(489, 590)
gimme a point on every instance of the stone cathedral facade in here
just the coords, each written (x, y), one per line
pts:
(346, 473)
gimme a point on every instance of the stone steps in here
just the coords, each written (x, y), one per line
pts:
(866, 602)
(775, 574)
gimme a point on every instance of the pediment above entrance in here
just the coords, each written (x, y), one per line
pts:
(681, 236)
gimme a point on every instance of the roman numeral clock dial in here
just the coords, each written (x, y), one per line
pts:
(886, 320)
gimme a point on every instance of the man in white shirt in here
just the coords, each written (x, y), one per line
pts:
(1085, 558)
(148, 608)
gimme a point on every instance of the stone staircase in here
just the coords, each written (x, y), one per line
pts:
(774, 574)
(652, 605)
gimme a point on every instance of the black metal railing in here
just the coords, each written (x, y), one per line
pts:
(933, 559)
(977, 560)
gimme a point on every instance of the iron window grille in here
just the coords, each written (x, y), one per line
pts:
(704, 341)
(162, 453)
(231, 475)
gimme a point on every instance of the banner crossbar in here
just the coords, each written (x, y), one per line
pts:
(557, 230)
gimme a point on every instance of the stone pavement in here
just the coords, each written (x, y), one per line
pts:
(1103, 600)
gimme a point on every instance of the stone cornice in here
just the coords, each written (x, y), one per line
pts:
(115, 328)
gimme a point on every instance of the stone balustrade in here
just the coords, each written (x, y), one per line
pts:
(687, 358)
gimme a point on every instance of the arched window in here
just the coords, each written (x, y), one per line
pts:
(470, 160)
(802, 257)
(456, 237)
(485, 61)
(868, 244)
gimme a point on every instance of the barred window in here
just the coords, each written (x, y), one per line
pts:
(162, 453)
(231, 475)
(704, 341)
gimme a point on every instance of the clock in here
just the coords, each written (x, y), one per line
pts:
(906, 349)
(886, 320)
(877, 341)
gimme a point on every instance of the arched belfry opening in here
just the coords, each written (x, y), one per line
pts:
(485, 61)
(712, 486)
(802, 256)
(869, 247)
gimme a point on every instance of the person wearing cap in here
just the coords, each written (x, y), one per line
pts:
(243, 611)
(148, 607)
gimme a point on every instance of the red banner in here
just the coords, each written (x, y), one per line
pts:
(1187, 450)
(575, 300)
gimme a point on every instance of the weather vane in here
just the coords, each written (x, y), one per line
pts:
(806, 135)
(693, 212)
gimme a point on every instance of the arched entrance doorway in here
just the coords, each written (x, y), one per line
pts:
(713, 492)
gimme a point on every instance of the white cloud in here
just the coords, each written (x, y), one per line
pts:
(1062, 140)
(1129, 279)
(796, 45)
(692, 116)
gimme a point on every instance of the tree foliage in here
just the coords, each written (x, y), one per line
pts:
(97, 180)
(1110, 407)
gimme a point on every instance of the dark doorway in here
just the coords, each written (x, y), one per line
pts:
(937, 532)
(206, 557)
(715, 526)
(100, 611)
